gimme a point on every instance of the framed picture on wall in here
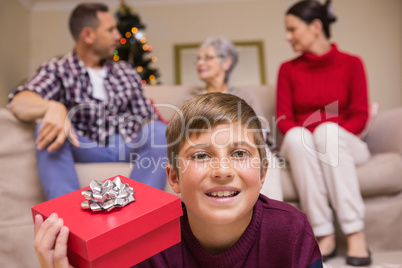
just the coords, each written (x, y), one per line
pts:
(250, 68)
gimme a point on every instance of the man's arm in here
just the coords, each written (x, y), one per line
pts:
(28, 106)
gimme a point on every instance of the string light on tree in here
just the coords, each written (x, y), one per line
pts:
(152, 79)
(133, 46)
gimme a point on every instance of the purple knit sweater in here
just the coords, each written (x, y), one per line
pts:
(278, 235)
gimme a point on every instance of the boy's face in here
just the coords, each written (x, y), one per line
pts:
(219, 175)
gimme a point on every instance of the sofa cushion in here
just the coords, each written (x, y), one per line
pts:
(166, 101)
(381, 175)
(288, 186)
(383, 213)
(100, 171)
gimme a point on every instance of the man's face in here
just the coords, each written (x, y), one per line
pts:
(107, 36)
(219, 175)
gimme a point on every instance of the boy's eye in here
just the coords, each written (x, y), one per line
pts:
(240, 154)
(200, 156)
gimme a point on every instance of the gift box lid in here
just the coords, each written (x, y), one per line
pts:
(93, 234)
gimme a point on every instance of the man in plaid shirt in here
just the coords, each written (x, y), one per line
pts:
(91, 109)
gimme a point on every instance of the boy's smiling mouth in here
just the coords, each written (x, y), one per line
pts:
(223, 193)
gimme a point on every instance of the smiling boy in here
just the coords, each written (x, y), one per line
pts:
(217, 162)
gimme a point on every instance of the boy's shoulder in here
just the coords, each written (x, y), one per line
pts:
(278, 206)
(280, 213)
(286, 231)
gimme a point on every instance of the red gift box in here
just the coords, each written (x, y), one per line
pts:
(122, 237)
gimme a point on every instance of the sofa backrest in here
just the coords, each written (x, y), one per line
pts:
(168, 99)
(385, 132)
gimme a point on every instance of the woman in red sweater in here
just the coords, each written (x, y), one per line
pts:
(322, 107)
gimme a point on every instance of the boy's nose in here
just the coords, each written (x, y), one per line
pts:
(222, 169)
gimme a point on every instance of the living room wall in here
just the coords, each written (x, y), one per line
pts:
(369, 28)
(14, 63)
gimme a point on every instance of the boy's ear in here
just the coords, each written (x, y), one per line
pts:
(264, 172)
(87, 35)
(173, 179)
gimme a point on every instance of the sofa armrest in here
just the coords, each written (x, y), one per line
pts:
(18, 179)
(385, 132)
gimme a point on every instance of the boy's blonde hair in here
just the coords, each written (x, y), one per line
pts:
(206, 111)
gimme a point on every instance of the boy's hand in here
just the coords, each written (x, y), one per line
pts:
(51, 242)
(54, 127)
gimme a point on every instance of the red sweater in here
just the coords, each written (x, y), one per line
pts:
(315, 89)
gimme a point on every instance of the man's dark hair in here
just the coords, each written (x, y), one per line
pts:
(85, 15)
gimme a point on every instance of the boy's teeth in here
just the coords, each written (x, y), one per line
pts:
(223, 193)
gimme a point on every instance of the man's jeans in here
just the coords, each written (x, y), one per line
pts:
(147, 152)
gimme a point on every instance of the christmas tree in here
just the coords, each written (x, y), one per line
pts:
(133, 45)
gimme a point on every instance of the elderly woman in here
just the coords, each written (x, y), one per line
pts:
(217, 57)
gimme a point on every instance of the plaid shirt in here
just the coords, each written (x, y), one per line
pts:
(66, 80)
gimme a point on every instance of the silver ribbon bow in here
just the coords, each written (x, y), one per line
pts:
(107, 195)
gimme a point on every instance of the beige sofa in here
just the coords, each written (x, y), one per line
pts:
(380, 178)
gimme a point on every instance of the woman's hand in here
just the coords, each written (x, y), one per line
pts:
(51, 242)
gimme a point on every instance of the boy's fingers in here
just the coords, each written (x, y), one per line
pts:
(38, 223)
(60, 249)
(47, 234)
(51, 241)
(41, 227)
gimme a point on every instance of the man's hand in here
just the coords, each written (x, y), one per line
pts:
(30, 106)
(51, 242)
(55, 126)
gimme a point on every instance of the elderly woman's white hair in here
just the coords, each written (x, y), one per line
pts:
(224, 48)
